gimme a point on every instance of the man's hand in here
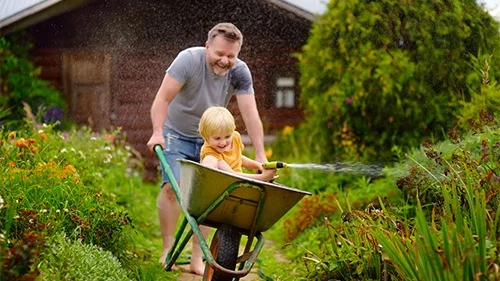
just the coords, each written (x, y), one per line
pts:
(262, 159)
(156, 138)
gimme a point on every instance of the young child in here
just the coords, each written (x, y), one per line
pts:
(223, 147)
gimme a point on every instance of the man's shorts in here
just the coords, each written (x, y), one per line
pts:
(177, 147)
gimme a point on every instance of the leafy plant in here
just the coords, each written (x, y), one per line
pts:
(20, 82)
(456, 248)
(375, 74)
(46, 191)
(66, 259)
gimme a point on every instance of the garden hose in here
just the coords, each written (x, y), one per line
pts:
(274, 165)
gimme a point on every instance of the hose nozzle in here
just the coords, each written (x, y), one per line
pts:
(274, 165)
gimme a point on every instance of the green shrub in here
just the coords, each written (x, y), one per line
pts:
(66, 259)
(375, 74)
(20, 82)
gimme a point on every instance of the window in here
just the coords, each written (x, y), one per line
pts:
(284, 96)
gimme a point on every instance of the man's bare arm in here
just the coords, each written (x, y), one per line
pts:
(159, 110)
(250, 114)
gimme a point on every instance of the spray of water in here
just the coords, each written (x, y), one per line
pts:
(342, 167)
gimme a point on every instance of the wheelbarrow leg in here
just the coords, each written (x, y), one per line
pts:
(177, 248)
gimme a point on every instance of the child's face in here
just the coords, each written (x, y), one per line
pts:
(221, 141)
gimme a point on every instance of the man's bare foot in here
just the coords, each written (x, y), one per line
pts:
(197, 266)
(163, 257)
(187, 269)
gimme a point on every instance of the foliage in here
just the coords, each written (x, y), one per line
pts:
(446, 230)
(20, 82)
(475, 155)
(457, 246)
(375, 74)
(310, 210)
(484, 104)
(65, 259)
(50, 187)
(456, 187)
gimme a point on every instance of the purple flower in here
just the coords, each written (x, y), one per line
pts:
(348, 101)
(53, 114)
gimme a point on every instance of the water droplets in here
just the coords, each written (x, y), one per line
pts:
(343, 167)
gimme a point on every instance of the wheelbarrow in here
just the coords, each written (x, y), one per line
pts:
(232, 204)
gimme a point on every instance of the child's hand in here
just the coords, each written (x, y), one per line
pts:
(269, 174)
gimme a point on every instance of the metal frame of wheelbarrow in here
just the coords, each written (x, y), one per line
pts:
(207, 209)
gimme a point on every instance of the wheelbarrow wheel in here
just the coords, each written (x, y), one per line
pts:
(224, 249)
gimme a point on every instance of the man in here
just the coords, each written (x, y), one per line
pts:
(198, 78)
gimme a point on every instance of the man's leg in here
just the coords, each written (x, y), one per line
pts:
(197, 266)
(168, 213)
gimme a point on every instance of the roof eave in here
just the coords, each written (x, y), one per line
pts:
(294, 9)
(34, 14)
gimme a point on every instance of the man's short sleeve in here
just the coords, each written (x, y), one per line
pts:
(180, 67)
(241, 79)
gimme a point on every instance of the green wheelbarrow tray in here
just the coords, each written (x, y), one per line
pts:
(217, 198)
(201, 186)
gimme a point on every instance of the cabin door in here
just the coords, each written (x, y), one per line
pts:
(87, 88)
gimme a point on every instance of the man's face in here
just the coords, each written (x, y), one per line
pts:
(221, 54)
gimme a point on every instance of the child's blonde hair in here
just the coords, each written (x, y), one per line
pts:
(216, 119)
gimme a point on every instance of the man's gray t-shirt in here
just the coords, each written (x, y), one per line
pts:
(201, 89)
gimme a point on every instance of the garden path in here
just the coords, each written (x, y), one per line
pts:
(252, 276)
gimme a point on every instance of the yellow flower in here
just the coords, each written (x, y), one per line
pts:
(269, 153)
(12, 135)
(287, 130)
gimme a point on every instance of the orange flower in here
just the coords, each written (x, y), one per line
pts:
(43, 136)
(24, 143)
(69, 169)
(12, 164)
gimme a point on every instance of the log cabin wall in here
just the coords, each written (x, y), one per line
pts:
(112, 54)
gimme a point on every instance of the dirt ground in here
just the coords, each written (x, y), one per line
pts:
(252, 276)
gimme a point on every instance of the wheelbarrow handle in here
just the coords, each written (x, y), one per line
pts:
(166, 168)
(158, 148)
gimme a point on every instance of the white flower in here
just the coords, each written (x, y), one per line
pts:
(82, 155)
(64, 150)
(93, 138)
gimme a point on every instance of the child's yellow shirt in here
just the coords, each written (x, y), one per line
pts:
(232, 157)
